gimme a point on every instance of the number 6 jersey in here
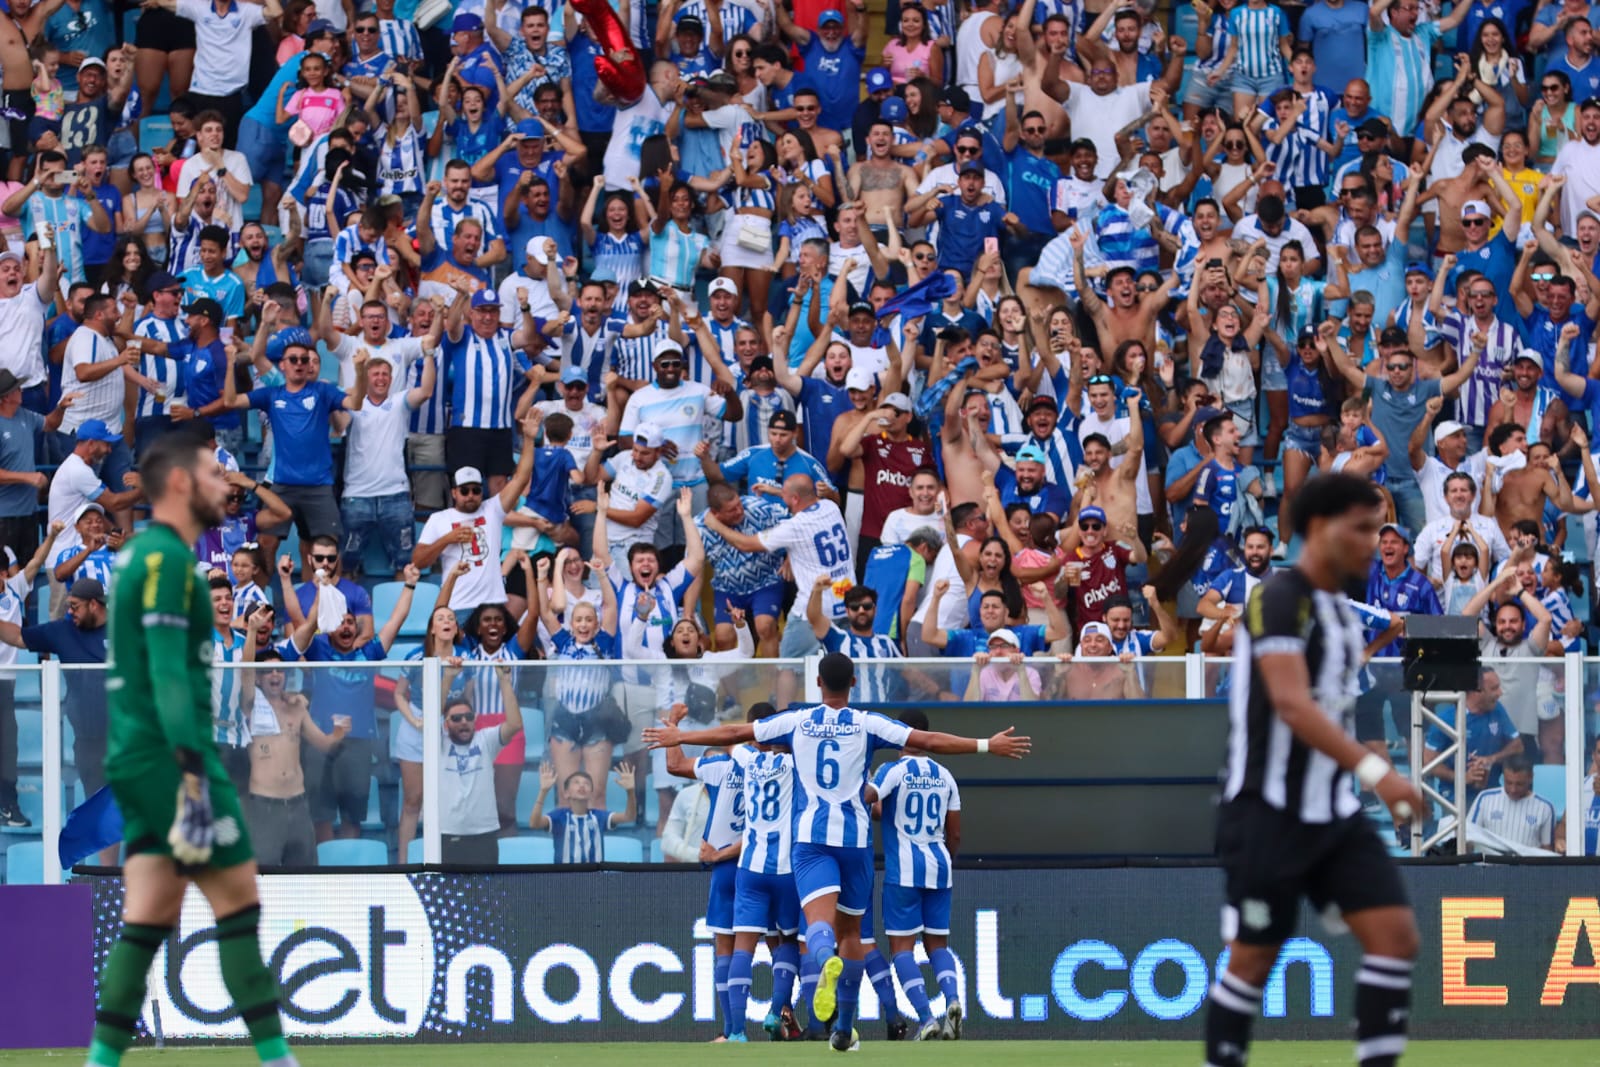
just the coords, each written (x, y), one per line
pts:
(832, 749)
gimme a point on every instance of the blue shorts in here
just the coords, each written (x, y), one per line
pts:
(1203, 94)
(821, 869)
(719, 905)
(1265, 85)
(909, 911)
(765, 903)
(869, 918)
(1306, 439)
(263, 147)
(768, 601)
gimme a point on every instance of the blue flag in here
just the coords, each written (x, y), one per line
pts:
(921, 298)
(91, 826)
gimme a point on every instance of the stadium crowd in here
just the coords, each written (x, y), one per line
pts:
(1008, 340)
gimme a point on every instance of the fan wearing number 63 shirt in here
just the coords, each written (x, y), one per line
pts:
(833, 745)
(814, 535)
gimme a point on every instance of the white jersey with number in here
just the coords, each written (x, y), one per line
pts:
(833, 750)
(818, 544)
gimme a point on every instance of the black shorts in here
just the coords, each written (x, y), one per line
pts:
(162, 31)
(313, 511)
(605, 722)
(487, 450)
(338, 783)
(1271, 860)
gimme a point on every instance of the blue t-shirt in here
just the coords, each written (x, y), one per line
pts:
(547, 492)
(821, 404)
(964, 643)
(1410, 594)
(86, 693)
(1541, 334)
(341, 691)
(1047, 499)
(1218, 489)
(204, 370)
(1497, 261)
(962, 230)
(836, 76)
(99, 247)
(301, 454)
(1486, 734)
(1338, 38)
(1030, 188)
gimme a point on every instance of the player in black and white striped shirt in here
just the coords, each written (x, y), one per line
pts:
(1290, 825)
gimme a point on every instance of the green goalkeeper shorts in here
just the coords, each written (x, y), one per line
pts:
(149, 804)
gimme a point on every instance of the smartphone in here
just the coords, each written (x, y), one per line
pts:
(226, 333)
(991, 245)
(1213, 264)
(67, 177)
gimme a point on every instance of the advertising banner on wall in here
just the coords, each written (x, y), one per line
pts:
(1054, 954)
(46, 941)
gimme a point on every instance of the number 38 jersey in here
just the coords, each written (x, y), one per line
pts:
(917, 794)
(832, 749)
(770, 786)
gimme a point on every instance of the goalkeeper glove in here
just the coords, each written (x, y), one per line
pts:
(193, 832)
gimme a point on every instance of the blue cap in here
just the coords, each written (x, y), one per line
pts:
(1399, 531)
(531, 128)
(830, 15)
(893, 109)
(97, 430)
(878, 80)
(466, 23)
(1030, 454)
(288, 337)
(604, 273)
(571, 374)
(485, 298)
(1092, 512)
(1420, 268)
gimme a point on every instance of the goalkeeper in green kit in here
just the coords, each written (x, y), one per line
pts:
(181, 815)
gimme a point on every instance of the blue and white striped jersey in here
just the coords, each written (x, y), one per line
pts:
(347, 243)
(482, 682)
(917, 794)
(771, 783)
(232, 721)
(759, 408)
(1529, 821)
(623, 256)
(480, 373)
(430, 416)
(874, 685)
(724, 779)
(736, 572)
(675, 255)
(580, 689)
(399, 38)
(1258, 30)
(445, 217)
(631, 356)
(832, 749)
(579, 838)
(169, 372)
(402, 166)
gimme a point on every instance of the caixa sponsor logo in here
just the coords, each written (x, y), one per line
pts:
(349, 962)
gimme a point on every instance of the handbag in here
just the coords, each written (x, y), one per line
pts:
(755, 233)
(301, 133)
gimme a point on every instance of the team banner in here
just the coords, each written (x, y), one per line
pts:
(1068, 953)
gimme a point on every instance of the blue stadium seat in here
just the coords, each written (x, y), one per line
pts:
(527, 792)
(27, 690)
(533, 729)
(1550, 782)
(514, 850)
(252, 204)
(386, 594)
(353, 852)
(25, 863)
(30, 736)
(623, 849)
(414, 851)
(656, 855)
(1186, 24)
(155, 130)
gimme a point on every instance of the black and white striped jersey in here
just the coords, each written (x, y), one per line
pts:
(1286, 614)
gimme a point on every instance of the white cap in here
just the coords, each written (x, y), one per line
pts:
(860, 378)
(84, 508)
(1445, 429)
(1475, 209)
(664, 347)
(648, 435)
(467, 476)
(1009, 636)
(898, 401)
(722, 285)
(536, 250)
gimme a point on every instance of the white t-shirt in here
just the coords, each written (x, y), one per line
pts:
(681, 413)
(585, 421)
(466, 783)
(629, 128)
(1100, 117)
(1580, 162)
(630, 486)
(376, 457)
(222, 46)
(901, 523)
(22, 325)
(99, 399)
(540, 305)
(236, 166)
(399, 351)
(953, 605)
(1433, 473)
(73, 485)
(482, 584)
(1249, 229)
(1440, 535)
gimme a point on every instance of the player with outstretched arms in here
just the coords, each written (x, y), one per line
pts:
(833, 745)
(160, 748)
(921, 815)
(1290, 824)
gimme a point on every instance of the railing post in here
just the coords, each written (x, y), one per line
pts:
(1574, 751)
(50, 700)
(432, 697)
(813, 690)
(1194, 676)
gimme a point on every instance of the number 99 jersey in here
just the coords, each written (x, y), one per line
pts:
(917, 794)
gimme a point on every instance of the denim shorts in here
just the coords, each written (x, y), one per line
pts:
(263, 148)
(1306, 439)
(1202, 93)
(1273, 379)
(1264, 85)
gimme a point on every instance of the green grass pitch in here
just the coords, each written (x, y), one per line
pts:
(996, 1053)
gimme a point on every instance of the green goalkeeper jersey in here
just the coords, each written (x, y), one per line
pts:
(159, 688)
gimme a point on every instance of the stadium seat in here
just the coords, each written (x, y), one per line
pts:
(353, 852)
(1550, 782)
(386, 594)
(623, 849)
(27, 691)
(155, 130)
(533, 730)
(25, 863)
(515, 850)
(656, 855)
(30, 736)
(527, 792)
(1186, 24)
(414, 851)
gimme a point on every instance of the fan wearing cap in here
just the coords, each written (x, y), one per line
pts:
(967, 217)
(1493, 257)
(1027, 482)
(833, 54)
(75, 482)
(482, 362)
(1547, 302)
(96, 373)
(879, 442)
(638, 332)
(965, 144)
(640, 484)
(998, 672)
(762, 469)
(681, 40)
(521, 156)
(1529, 403)
(1097, 672)
(95, 551)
